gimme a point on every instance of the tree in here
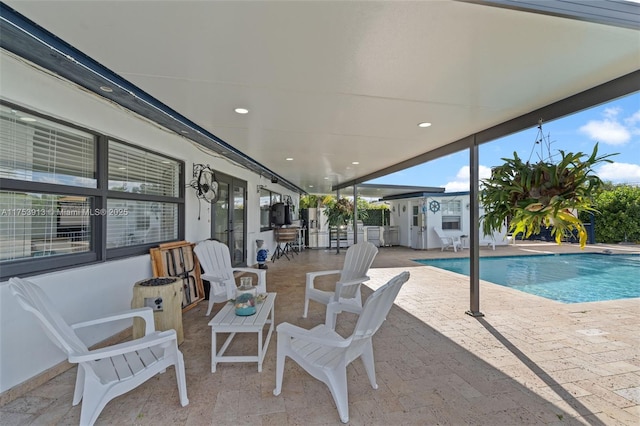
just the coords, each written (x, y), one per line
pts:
(617, 214)
(308, 201)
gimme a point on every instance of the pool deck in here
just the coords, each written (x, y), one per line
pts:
(527, 361)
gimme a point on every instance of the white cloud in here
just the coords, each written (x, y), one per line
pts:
(611, 130)
(456, 186)
(462, 178)
(619, 172)
(608, 131)
(612, 112)
(633, 119)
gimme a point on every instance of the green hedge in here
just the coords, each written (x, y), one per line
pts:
(377, 217)
(618, 214)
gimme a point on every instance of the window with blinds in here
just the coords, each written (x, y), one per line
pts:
(54, 158)
(54, 210)
(140, 222)
(145, 175)
(36, 225)
(37, 150)
(451, 207)
(142, 172)
(451, 214)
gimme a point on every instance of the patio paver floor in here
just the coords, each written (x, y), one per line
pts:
(529, 360)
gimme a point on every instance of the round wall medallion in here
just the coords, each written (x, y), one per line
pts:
(434, 206)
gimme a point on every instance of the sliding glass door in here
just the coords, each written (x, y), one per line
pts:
(228, 217)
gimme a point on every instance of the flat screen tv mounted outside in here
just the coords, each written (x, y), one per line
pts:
(280, 214)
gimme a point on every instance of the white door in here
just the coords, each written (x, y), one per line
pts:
(416, 228)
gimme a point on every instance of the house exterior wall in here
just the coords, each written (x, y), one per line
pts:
(90, 291)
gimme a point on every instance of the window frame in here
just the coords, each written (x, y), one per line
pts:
(447, 212)
(274, 197)
(97, 252)
(118, 252)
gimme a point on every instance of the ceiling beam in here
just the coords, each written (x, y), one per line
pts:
(617, 13)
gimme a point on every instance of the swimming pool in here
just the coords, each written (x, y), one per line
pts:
(567, 278)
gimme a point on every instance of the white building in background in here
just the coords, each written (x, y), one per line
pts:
(413, 215)
(416, 214)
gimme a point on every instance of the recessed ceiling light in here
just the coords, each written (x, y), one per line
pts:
(355, 163)
(184, 132)
(310, 186)
(106, 89)
(28, 119)
(326, 178)
(289, 159)
(241, 110)
(425, 124)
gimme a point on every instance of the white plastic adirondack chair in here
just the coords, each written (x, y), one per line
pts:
(325, 354)
(346, 296)
(447, 241)
(105, 373)
(216, 261)
(489, 241)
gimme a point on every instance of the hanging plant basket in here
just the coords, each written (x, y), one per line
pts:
(546, 193)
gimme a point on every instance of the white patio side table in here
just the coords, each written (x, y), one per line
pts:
(226, 321)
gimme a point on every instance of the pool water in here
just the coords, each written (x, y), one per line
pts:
(567, 278)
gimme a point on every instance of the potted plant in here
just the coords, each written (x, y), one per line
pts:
(545, 193)
(339, 213)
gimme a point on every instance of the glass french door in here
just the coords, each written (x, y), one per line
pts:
(228, 217)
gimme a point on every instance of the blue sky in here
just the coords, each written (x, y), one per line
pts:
(615, 126)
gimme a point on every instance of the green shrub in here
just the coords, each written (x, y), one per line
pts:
(618, 214)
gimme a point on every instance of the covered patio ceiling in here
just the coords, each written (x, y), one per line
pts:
(336, 90)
